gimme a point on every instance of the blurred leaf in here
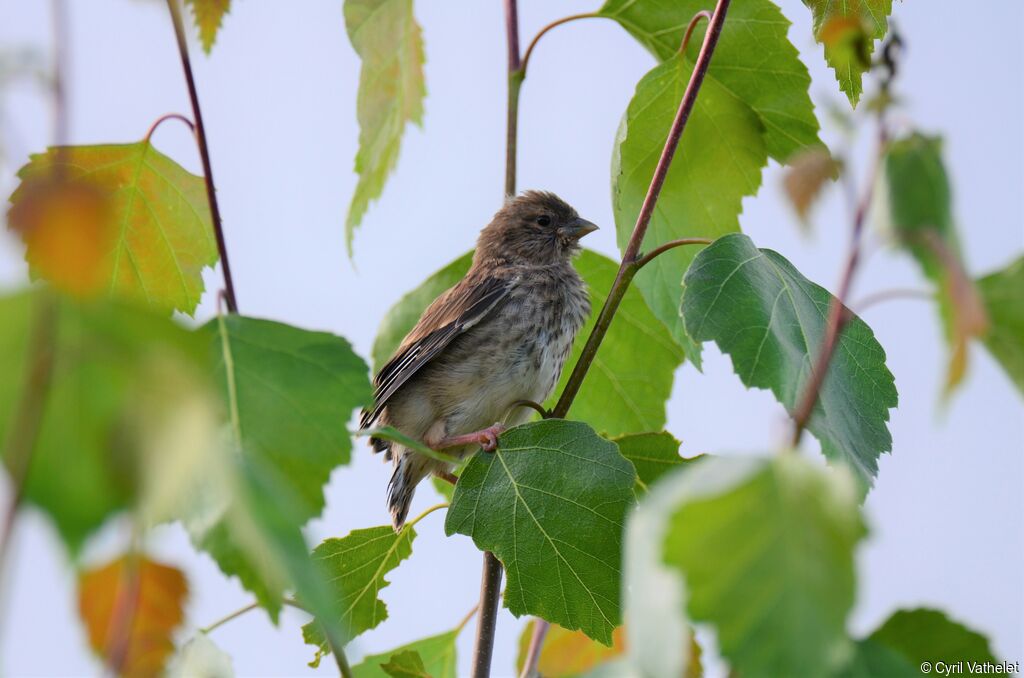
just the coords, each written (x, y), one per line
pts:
(122, 381)
(771, 321)
(652, 455)
(208, 15)
(550, 503)
(1003, 295)
(289, 393)
(769, 79)
(787, 530)
(718, 162)
(653, 593)
(68, 234)
(625, 391)
(355, 567)
(871, 659)
(929, 635)
(568, 653)
(391, 90)
(848, 31)
(407, 664)
(130, 608)
(806, 176)
(920, 206)
(157, 241)
(437, 654)
(200, 658)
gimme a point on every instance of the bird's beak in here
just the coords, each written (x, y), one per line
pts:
(578, 228)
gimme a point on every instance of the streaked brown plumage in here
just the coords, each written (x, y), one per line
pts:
(500, 335)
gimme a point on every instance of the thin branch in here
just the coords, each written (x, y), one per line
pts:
(540, 632)
(537, 407)
(543, 31)
(204, 153)
(465, 619)
(839, 314)
(28, 418)
(487, 622)
(164, 118)
(291, 602)
(672, 244)
(628, 267)
(340, 659)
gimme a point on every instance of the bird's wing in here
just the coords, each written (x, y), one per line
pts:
(454, 312)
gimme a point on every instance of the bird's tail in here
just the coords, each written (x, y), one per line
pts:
(410, 469)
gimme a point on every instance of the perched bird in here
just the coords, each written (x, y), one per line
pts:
(500, 335)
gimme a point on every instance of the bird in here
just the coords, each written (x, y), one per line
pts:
(500, 335)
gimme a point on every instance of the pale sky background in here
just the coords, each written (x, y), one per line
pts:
(278, 94)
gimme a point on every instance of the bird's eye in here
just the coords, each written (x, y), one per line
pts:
(544, 220)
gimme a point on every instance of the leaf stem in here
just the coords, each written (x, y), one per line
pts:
(164, 118)
(672, 244)
(543, 31)
(630, 257)
(435, 507)
(291, 602)
(204, 154)
(888, 295)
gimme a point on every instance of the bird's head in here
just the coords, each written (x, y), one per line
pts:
(534, 227)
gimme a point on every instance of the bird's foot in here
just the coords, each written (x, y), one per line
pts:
(486, 438)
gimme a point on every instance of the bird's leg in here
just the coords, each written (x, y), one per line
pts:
(447, 476)
(486, 438)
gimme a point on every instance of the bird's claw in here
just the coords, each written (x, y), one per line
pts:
(489, 437)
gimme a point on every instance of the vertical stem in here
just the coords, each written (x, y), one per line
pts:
(540, 631)
(628, 267)
(490, 578)
(204, 153)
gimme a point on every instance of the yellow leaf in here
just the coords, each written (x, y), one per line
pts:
(130, 608)
(208, 15)
(67, 233)
(569, 653)
(806, 175)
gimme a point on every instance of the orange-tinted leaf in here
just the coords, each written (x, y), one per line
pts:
(67, 232)
(806, 175)
(158, 234)
(208, 15)
(569, 653)
(130, 608)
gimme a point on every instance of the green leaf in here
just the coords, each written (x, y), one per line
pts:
(718, 162)
(921, 214)
(208, 15)
(550, 504)
(652, 455)
(1003, 295)
(786, 530)
(391, 90)
(355, 565)
(625, 390)
(848, 30)
(121, 379)
(871, 659)
(769, 78)
(407, 664)
(771, 321)
(159, 234)
(437, 654)
(289, 393)
(921, 635)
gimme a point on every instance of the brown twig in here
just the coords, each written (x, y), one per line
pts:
(703, 14)
(630, 257)
(204, 154)
(540, 632)
(838, 314)
(888, 295)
